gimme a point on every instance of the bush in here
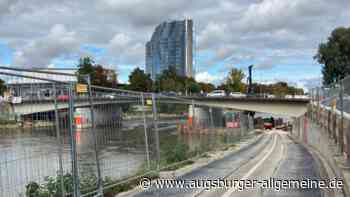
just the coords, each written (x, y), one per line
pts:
(177, 153)
(51, 188)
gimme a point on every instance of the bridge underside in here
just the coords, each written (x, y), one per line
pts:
(291, 109)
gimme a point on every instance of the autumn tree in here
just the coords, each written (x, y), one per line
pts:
(98, 74)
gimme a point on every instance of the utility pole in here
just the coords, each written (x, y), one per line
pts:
(250, 88)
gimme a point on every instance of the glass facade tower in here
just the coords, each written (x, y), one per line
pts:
(171, 45)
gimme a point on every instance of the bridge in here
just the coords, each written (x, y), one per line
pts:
(138, 137)
(279, 106)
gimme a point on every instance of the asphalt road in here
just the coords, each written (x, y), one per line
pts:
(274, 156)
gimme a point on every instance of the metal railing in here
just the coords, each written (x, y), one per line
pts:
(66, 142)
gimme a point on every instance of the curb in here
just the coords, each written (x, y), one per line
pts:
(327, 167)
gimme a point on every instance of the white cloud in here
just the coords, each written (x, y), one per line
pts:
(267, 31)
(6, 6)
(125, 50)
(206, 77)
(39, 52)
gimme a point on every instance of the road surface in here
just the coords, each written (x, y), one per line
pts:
(275, 155)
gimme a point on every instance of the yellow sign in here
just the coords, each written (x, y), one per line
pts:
(81, 88)
(334, 104)
(149, 102)
(7, 94)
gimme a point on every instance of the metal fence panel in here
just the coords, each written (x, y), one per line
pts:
(79, 139)
(33, 134)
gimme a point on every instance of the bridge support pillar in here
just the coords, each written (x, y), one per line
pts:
(200, 118)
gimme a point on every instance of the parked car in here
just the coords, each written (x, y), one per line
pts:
(217, 93)
(109, 96)
(63, 97)
(170, 93)
(237, 95)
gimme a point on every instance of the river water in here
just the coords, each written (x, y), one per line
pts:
(31, 155)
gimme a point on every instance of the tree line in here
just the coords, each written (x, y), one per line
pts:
(170, 81)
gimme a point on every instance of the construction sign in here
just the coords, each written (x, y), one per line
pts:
(81, 88)
(148, 102)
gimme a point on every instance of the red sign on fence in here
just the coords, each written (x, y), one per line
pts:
(234, 124)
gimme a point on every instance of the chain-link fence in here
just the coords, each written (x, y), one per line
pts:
(61, 138)
(329, 111)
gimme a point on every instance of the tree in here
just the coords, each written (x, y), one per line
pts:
(206, 87)
(234, 81)
(279, 89)
(98, 74)
(335, 56)
(169, 80)
(140, 81)
(191, 86)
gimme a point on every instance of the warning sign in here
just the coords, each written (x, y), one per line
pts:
(81, 88)
(149, 102)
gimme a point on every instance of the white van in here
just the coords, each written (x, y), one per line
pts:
(217, 93)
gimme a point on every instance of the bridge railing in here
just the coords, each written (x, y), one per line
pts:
(59, 139)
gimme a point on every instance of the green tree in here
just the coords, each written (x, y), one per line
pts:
(169, 80)
(140, 81)
(335, 56)
(191, 86)
(234, 81)
(99, 75)
(206, 87)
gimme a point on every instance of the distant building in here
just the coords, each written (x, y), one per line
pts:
(171, 45)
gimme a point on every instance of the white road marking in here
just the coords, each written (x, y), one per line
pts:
(250, 172)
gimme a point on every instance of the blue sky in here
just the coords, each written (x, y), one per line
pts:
(279, 37)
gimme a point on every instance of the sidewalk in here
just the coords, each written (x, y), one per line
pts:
(201, 163)
(317, 141)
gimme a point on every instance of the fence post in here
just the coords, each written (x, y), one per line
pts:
(76, 190)
(93, 128)
(318, 104)
(145, 130)
(193, 116)
(211, 118)
(341, 128)
(59, 141)
(329, 124)
(334, 128)
(155, 124)
(348, 144)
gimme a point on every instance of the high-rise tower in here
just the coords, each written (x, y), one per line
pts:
(171, 45)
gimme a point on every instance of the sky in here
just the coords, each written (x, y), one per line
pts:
(279, 37)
